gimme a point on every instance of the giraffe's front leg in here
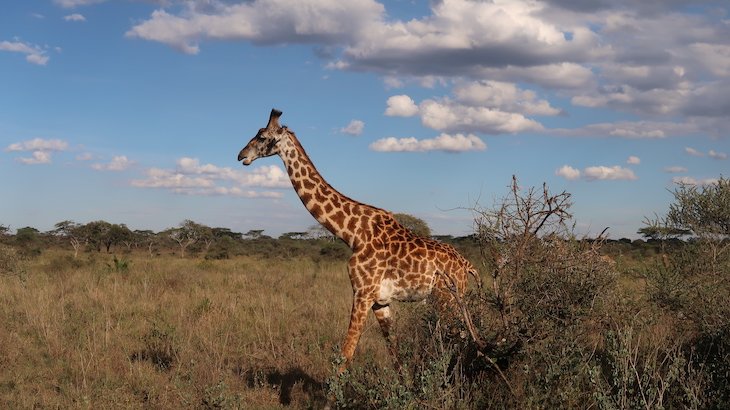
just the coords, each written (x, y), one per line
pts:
(360, 306)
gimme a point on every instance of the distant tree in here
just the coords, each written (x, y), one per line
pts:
(293, 235)
(416, 225)
(254, 234)
(28, 240)
(220, 233)
(185, 235)
(73, 232)
(657, 232)
(97, 233)
(116, 234)
(147, 238)
(205, 236)
(4, 231)
(26, 235)
(443, 238)
(318, 231)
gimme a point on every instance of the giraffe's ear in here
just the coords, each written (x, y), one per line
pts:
(274, 118)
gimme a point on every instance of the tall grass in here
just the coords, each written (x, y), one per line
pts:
(170, 332)
(255, 332)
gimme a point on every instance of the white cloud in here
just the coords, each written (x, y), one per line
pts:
(717, 155)
(633, 160)
(75, 3)
(563, 75)
(449, 116)
(86, 156)
(33, 54)
(612, 173)
(599, 172)
(401, 106)
(568, 172)
(355, 127)
(444, 142)
(630, 130)
(693, 181)
(118, 163)
(675, 169)
(42, 150)
(228, 191)
(39, 144)
(39, 157)
(190, 177)
(260, 21)
(693, 152)
(503, 96)
(163, 178)
(74, 17)
(462, 37)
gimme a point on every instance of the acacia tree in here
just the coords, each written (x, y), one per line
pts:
(74, 232)
(186, 234)
(205, 235)
(703, 211)
(318, 231)
(148, 238)
(416, 225)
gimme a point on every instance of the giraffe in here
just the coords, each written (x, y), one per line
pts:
(389, 263)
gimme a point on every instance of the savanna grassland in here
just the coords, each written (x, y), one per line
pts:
(558, 322)
(167, 332)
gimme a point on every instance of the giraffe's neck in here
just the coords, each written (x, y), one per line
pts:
(336, 212)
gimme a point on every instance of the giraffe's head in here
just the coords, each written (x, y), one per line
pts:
(266, 141)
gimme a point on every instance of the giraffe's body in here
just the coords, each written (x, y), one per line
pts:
(388, 263)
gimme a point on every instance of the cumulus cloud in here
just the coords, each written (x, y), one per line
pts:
(633, 160)
(568, 172)
(118, 163)
(75, 3)
(630, 130)
(504, 96)
(693, 152)
(38, 144)
(39, 157)
(650, 59)
(598, 172)
(444, 142)
(464, 37)
(717, 155)
(190, 177)
(74, 17)
(355, 127)
(33, 54)
(41, 149)
(260, 21)
(613, 173)
(490, 107)
(449, 116)
(694, 181)
(401, 106)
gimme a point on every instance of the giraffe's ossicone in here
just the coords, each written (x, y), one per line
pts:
(388, 263)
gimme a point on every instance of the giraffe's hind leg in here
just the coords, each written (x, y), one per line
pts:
(385, 320)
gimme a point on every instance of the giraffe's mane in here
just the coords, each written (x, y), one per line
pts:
(304, 154)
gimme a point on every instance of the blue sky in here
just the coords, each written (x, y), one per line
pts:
(134, 111)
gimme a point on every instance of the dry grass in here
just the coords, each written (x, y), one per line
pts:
(172, 333)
